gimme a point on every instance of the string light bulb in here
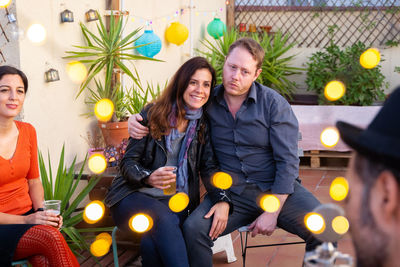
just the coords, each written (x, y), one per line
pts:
(329, 137)
(93, 212)
(370, 58)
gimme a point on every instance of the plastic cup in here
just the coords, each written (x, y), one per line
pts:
(172, 186)
(52, 206)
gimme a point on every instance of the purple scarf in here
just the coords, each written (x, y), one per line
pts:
(182, 173)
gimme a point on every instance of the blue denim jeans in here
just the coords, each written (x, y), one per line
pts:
(163, 245)
(245, 211)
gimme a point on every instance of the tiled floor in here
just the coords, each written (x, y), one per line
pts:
(317, 181)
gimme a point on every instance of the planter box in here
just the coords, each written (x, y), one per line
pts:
(314, 119)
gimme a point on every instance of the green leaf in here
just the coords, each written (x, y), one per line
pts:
(106, 50)
(65, 186)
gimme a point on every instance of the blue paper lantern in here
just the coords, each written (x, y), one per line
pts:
(153, 41)
(216, 28)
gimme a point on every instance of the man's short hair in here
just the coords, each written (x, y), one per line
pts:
(252, 46)
(368, 169)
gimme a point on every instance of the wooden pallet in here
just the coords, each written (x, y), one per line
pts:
(324, 159)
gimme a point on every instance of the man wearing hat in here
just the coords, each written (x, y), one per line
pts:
(373, 203)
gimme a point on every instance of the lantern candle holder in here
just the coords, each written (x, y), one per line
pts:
(51, 75)
(91, 15)
(67, 16)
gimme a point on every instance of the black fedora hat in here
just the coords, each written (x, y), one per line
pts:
(381, 140)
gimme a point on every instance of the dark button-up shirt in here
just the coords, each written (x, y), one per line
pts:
(259, 145)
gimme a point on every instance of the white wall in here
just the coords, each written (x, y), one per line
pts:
(9, 42)
(52, 107)
(161, 14)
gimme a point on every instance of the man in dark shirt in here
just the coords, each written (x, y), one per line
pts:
(254, 133)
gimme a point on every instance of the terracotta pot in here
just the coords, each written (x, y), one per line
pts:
(92, 151)
(114, 132)
(252, 28)
(266, 29)
(242, 27)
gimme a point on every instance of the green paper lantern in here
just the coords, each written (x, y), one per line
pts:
(216, 28)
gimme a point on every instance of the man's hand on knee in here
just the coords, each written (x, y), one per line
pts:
(265, 224)
(220, 219)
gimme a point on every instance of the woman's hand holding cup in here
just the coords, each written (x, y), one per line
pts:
(52, 209)
(163, 177)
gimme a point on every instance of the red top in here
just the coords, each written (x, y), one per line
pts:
(15, 172)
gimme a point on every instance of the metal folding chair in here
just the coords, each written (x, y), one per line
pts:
(245, 230)
(23, 263)
(114, 246)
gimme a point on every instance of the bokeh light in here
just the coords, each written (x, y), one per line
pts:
(104, 109)
(140, 223)
(329, 137)
(76, 71)
(93, 212)
(5, 3)
(178, 202)
(314, 222)
(99, 247)
(36, 33)
(370, 58)
(97, 163)
(269, 203)
(339, 189)
(221, 180)
(105, 236)
(340, 225)
(334, 90)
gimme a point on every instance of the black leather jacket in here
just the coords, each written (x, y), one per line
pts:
(144, 156)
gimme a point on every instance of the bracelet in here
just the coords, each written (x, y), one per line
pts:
(39, 209)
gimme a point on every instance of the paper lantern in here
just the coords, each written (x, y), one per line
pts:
(216, 28)
(177, 33)
(153, 41)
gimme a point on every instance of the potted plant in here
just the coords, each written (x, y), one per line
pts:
(276, 66)
(107, 51)
(134, 103)
(62, 186)
(363, 86)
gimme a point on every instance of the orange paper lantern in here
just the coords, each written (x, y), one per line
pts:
(177, 33)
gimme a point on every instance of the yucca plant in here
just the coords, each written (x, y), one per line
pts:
(62, 187)
(134, 102)
(105, 51)
(117, 96)
(276, 67)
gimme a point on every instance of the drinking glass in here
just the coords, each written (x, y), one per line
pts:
(172, 186)
(52, 206)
